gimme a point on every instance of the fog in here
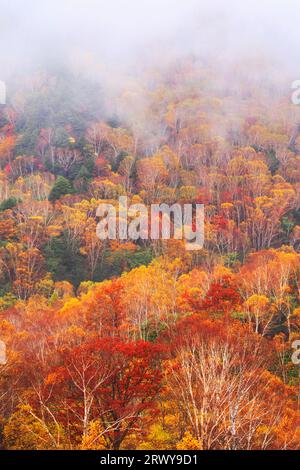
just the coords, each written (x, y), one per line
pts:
(35, 33)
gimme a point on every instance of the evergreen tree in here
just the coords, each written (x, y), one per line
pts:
(61, 187)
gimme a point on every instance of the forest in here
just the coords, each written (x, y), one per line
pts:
(145, 345)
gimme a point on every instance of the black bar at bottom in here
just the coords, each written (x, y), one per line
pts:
(139, 459)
